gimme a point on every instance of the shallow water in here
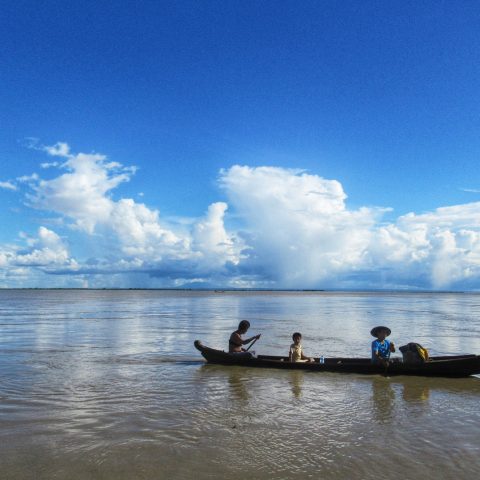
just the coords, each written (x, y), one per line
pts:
(107, 385)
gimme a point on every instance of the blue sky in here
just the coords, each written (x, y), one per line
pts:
(223, 118)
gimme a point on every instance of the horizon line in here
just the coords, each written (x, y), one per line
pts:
(225, 290)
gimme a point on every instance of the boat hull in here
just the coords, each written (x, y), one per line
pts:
(447, 366)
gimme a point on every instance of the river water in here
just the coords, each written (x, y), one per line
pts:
(99, 384)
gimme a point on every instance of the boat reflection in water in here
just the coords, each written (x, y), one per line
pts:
(415, 392)
(388, 395)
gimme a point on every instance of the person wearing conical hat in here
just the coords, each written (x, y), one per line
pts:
(381, 347)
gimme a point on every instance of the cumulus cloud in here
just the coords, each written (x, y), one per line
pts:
(82, 192)
(442, 246)
(48, 250)
(45, 250)
(212, 241)
(300, 231)
(135, 238)
(139, 232)
(288, 228)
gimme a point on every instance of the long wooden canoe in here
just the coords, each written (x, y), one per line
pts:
(446, 366)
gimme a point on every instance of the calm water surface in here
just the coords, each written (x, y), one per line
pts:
(107, 385)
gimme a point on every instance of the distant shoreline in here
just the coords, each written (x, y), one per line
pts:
(244, 290)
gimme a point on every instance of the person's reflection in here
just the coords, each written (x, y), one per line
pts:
(237, 381)
(296, 381)
(383, 398)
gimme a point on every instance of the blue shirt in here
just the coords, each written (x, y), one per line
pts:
(383, 348)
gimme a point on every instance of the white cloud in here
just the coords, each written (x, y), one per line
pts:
(139, 232)
(302, 234)
(300, 229)
(82, 193)
(443, 245)
(212, 241)
(136, 238)
(46, 250)
(60, 149)
(50, 164)
(293, 229)
(8, 186)
(28, 178)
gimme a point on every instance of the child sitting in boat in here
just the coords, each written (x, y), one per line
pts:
(295, 353)
(381, 347)
(236, 341)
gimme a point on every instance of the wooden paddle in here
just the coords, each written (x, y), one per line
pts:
(251, 345)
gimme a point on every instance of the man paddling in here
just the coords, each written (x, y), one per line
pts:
(381, 347)
(236, 341)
